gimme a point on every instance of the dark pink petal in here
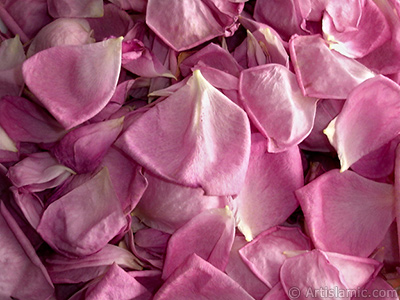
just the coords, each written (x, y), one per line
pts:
(60, 32)
(38, 171)
(12, 56)
(116, 284)
(324, 73)
(210, 235)
(347, 213)
(83, 148)
(277, 293)
(239, 271)
(194, 145)
(197, 279)
(136, 5)
(270, 94)
(367, 121)
(265, 254)
(22, 275)
(74, 270)
(73, 85)
(314, 272)
(75, 8)
(84, 220)
(167, 206)
(267, 197)
(371, 31)
(25, 121)
(194, 22)
(379, 289)
(131, 188)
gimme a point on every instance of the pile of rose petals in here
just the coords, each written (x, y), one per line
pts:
(199, 149)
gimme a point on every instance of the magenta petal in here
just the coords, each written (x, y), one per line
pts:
(347, 213)
(75, 8)
(210, 235)
(265, 254)
(25, 121)
(324, 73)
(367, 121)
(194, 145)
(194, 21)
(270, 94)
(22, 275)
(197, 279)
(167, 206)
(75, 82)
(85, 219)
(267, 197)
(83, 149)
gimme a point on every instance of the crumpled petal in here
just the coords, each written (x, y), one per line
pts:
(210, 235)
(167, 206)
(12, 56)
(25, 121)
(83, 148)
(85, 219)
(23, 275)
(323, 273)
(265, 254)
(75, 82)
(270, 94)
(60, 32)
(239, 271)
(367, 121)
(75, 8)
(267, 197)
(38, 171)
(324, 73)
(197, 279)
(194, 21)
(347, 213)
(371, 32)
(192, 144)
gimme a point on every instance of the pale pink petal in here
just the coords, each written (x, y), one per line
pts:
(270, 94)
(210, 235)
(194, 22)
(194, 145)
(367, 121)
(60, 32)
(347, 213)
(167, 206)
(75, 8)
(75, 82)
(324, 73)
(239, 271)
(85, 219)
(267, 197)
(83, 148)
(197, 279)
(266, 254)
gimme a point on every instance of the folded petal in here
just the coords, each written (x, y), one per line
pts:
(191, 145)
(83, 148)
(75, 82)
(197, 279)
(324, 73)
(270, 94)
(85, 219)
(167, 206)
(367, 121)
(210, 235)
(347, 213)
(30, 205)
(23, 275)
(194, 22)
(75, 8)
(265, 254)
(25, 121)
